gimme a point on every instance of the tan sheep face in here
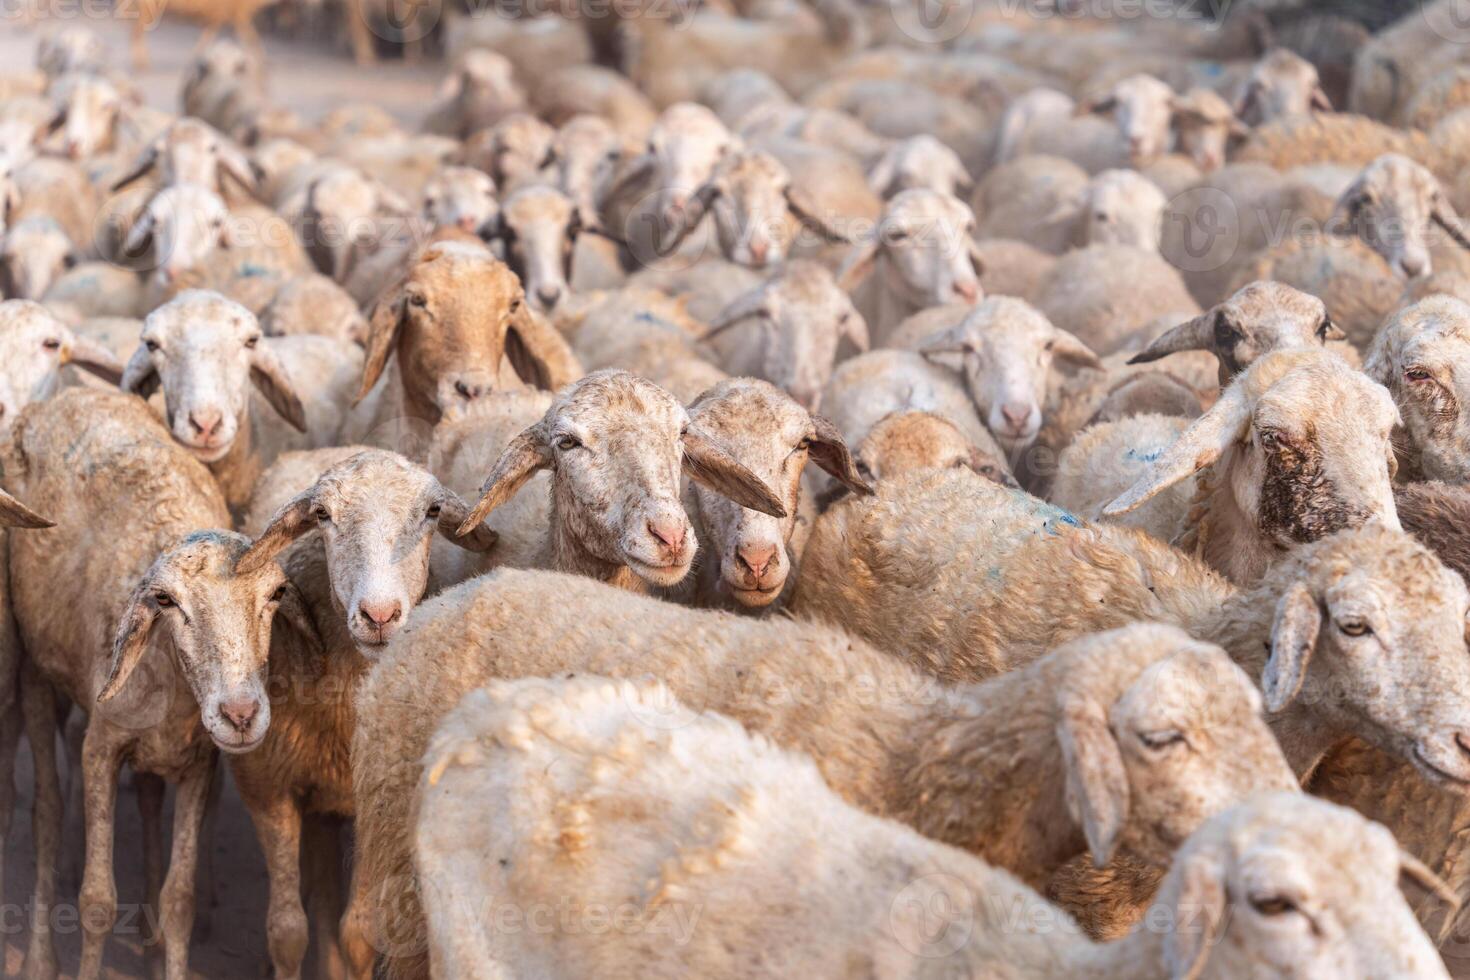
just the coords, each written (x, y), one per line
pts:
(752, 219)
(903, 442)
(1281, 84)
(539, 227)
(86, 110)
(205, 351)
(1393, 206)
(1203, 125)
(1123, 207)
(926, 238)
(1292, 886)
(216, 624)
(463, 198)
(34, 254)
(1423, 356)
(34, 346)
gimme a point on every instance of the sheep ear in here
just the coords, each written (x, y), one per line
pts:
(526, 454)
(1098, 107)
(711, 466)
(140, 236)
(859, 262)
(1444, 215)
(272, 381)
(881, 177)
(1097, 783)
(13, 513)
(130, 643)
(634, 173)
(383, 330)
(1074, 351)
(829, 451)
(1199, 915)
(294, 520)
(452, 513)
(141, 166)
(739, 309)
(140, 377)
(58, 119)
(855, 327)
(91, 356)
(804, 210)
(1196, 448)
(234, 164)
(951, 340)
(1293, 637)
(1320, 101)
(538, 353)
(1196, 334)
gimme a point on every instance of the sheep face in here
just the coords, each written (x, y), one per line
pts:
(513, 151)
(774, 438)
(586, 151)
(180, 227)
(919, 161)
(463, 198)
(540, 225)
(1281, 84)
(615, 445)
(1123, 208)
(1260, 318)
(205, 351)
(34, 254)
(1142, 107)
(376, 514)
(1203, 126)
(191, 152)
(1422, 355)
(683, 147)
(218, 622)
(87, 113)
(750, 210)
(1391, 206)
(341, 213)
(72, 49)
(1290, 885)
(1180, 742)
(34, 346)
(1008, 348)
(801, 315)
(930, 258)
(903, 442)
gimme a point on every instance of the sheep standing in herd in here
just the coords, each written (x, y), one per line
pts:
(807, 479)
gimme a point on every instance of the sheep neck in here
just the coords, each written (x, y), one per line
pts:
(1220, 532)
(237, 470)
(983, 771)
(566, 550)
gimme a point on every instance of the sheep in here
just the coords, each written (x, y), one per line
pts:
(477, 94)
(800, 317)
(923, 753)
(1121, 207)
(1141, 110)
(190, 151)
(221, 87)
(1391, 206)
(905, 441)
(750, 554)
(1011, 267)
(33, 254)
(36, 346)
(1415, 356)
(1032, 199)
(314, 304)
(1259, 318)
(539, 227)
(648, 334)
(919, 161)
(339, 215)
(1281, 84)
(613, 442)
(1107, 458)
(595, 90)
(1204, 125)
(1330, 137)
(52, 188)
(205, 352)
(585, 153)
(71, 50)
(513, 151)
(360, 574)
(177, 230)
(764, 864)
(188, 637)
(88, 113)
(920, 254)
(1105, 295)
(452, 319)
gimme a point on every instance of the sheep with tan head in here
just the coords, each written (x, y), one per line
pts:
(905, 441)
(1395, 206)
(786, 858)
(1281, 84)
(924, 753)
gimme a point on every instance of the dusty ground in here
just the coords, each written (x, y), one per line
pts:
(312, 80)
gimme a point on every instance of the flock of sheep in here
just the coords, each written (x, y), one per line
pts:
(452, 479)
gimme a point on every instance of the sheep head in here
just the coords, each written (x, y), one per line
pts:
(1281, 84)
(1259, 318)
(180, 227)
(191, 151)
(920, 161)
(87, 111)
(463, 198)
(684, 145)
(905, 441)
(34, 347)
(585, 153)
(1142, 108)
(930, 258)
(71, 49)
(34, 254)
(1122, 207)
(1204, 125)
(1008, 348)
(1391, 206)
(1422, 355)
(615, 445)
(539, 226)
(206, 351)
(376, 513)
(513, 151)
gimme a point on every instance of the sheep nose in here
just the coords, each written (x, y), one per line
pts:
(548, 295)
(967, 291)
(207, 422)
(670, 532)
(1414, 265)
(758, 558)
(468, 391)
(1016, 413)
(380, 614)
(240, 713)
(759, 251)
(469, 224)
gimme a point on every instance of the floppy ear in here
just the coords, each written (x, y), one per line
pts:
(452, 513)
(881, 177)
(829, 451)
(233, 164)
(1352, 200)
(140, 377)
(1320, 101)
(272, 381)
(58, 119)
(91, 356)
(855, 328)
(1443, 214)
(951, 340)
(141, 166)
(639, 168)
(1196, 448)
(294, 520)
(1199, 913)
(1246, 102)
(294, 611)
(526, 454)
(1097, 783)
(538, 352)
(1293, 637)
(1196, 334)
(1069, 348)
(1097, 107)
(804, 210)
(140, 237)
(711, 466)
(739, 309)
(131, 641)
(383, 331)
(13, 513)
(859, 262)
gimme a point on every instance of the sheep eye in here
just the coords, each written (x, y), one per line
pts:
(69, 261)
(51, 343)
(1355, 627)
(434, 511)
(251, 342)
(1273, 905)
(515, 304)
(322, 515)
(163, 600)
(1160, 740)
(419, 300)
(279, 594)
(1416, 374)
(152, 346)
(566, 443)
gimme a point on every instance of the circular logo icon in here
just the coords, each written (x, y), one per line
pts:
(933, 916)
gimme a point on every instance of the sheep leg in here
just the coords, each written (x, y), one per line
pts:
(206, 900)
(178, 888)
(278, 827)
(101, 758)
(10, 725)
(356, 931)
(150, 811)
(362, 38)
(38, 705)
(73, 730)
(321, 853)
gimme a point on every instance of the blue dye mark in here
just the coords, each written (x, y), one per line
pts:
(250, 271)
(1148, 457)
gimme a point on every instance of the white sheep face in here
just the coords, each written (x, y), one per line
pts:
(33, 255)
(685, 144)
(463, 198)
(926, 239)
(1122, 207)
(1394, 206)
(539, 224)
(88, 109)
(180, 228)
(33, 347)
(1423, 356)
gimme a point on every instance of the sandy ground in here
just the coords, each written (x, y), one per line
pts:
(312, 80)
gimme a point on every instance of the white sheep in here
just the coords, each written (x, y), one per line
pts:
(34, 347)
